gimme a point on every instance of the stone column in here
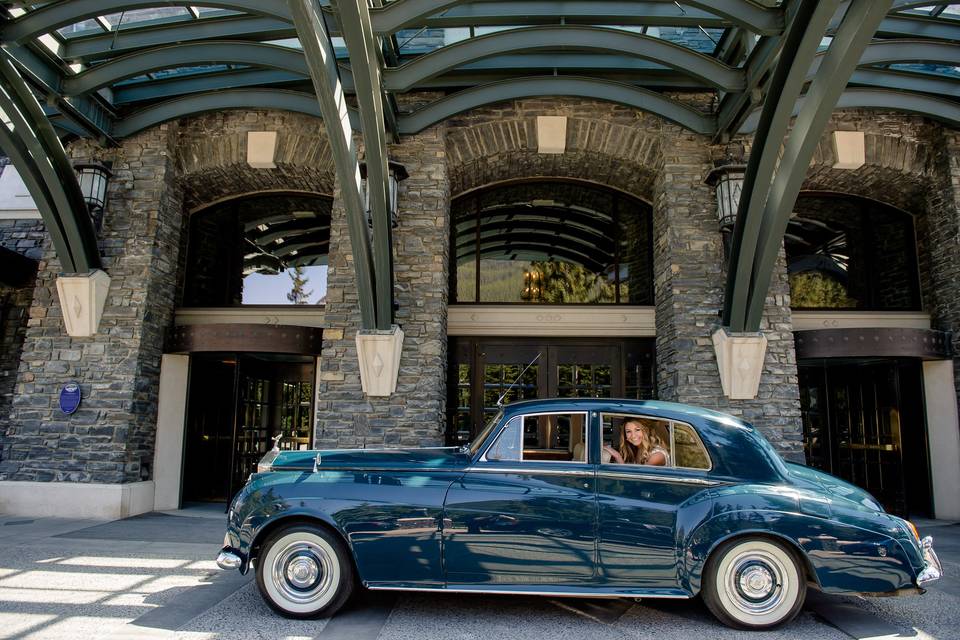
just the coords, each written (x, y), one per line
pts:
(415, 414)
(689, 280)
(110, 439)
(941, 224)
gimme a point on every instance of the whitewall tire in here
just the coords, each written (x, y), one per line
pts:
(304, 572)
(754, 583)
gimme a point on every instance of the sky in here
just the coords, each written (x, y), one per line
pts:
(273, 289)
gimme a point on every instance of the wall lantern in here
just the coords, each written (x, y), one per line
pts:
(727, 178)
(93, 178)
(396, 173)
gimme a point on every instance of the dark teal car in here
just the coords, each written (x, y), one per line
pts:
(554, 498)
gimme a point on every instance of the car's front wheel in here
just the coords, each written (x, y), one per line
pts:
(754, 583)
(304, 572)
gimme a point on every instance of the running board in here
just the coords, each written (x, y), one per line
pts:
(537, 590)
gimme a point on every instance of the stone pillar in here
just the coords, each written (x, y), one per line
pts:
(941, 226)
(689, 282)
(415, 414)
(110, 439)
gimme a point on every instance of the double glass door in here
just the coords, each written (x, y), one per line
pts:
(482, 370)
(237, 404)
(864, 422)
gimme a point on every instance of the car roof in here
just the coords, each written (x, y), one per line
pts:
(666, 409)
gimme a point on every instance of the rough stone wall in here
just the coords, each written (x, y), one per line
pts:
(689, 280)
(940, 229)
(24, 236)
(415, 414)
(110, 438)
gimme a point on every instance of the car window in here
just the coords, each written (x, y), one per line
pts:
(664, 442)
(554, 437)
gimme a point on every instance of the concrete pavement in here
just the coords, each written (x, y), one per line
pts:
(153, 577)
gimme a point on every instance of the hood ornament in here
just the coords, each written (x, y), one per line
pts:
(276, 441)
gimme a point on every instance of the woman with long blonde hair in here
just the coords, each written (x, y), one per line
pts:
(639, 444)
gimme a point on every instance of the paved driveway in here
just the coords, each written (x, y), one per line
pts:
(152, 577)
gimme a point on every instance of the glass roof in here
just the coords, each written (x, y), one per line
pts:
(118, 40)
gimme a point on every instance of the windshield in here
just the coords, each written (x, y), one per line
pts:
(483, 435)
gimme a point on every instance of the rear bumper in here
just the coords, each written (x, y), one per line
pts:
(229, 558)
(932, 569)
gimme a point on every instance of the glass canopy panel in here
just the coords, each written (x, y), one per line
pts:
(929, 69)
(85, 27)
(139, 17)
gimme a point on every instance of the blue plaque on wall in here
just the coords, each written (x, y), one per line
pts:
(69, 397)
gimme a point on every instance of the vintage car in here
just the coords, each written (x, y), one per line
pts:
(538, 504)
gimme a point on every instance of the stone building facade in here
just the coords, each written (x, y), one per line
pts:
(167, 174)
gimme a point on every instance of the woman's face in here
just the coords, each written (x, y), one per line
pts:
(635, 433)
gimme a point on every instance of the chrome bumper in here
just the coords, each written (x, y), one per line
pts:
(932, 570)
(227, 559)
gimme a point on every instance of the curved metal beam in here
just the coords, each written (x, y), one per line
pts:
(919, 27)
(48, 173)
(607, 40)
(945, 111)
(538, 86)
(892, 51)
(905, 81)
(116, 43)
(404, 13)
(66, 12)
(216, 100)
(546, 248)
(179, 55)
(859, 24)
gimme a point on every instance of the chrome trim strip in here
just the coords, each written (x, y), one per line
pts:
(524, 592)
(417, 470)
(658, 478)
(528, 471)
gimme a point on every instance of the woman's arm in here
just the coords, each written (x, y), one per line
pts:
(657, 458)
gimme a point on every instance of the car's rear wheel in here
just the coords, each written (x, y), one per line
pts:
(754, 583)
(304, 572)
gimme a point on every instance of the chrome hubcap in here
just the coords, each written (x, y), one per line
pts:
(302, 572)
(756, 582)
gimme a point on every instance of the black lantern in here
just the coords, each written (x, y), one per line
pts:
(93, 178)
(727, 178)
(396, 173)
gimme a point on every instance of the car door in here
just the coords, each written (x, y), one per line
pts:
(525, 511)
(638, 505)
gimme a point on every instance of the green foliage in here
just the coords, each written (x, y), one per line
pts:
(566, 282)
(817, 290)
(298, 294)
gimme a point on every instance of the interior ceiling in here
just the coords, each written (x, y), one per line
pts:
(104, 75)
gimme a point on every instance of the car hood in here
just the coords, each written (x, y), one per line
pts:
(816, 480)
(439, 458)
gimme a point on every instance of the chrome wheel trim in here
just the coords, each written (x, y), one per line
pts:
(302, 572)
(757, 582)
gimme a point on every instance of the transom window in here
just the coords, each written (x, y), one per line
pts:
(677, 441)
(552, 437)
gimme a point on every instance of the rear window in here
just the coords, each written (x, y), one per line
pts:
(676, 442)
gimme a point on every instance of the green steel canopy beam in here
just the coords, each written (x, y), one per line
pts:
(919, 27)
(218, 100)
(530, 12)
(566, 38)
(365, 58)
(35, 149)
(203, 82)
(904, 81)
(97, 47)
(322, 62)
(804, 33)
(538, 86)
(853, 35)
(61, 13)
(406, 13)
(40, 71)
(179, 55)
(946, 111)
(892, 51)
